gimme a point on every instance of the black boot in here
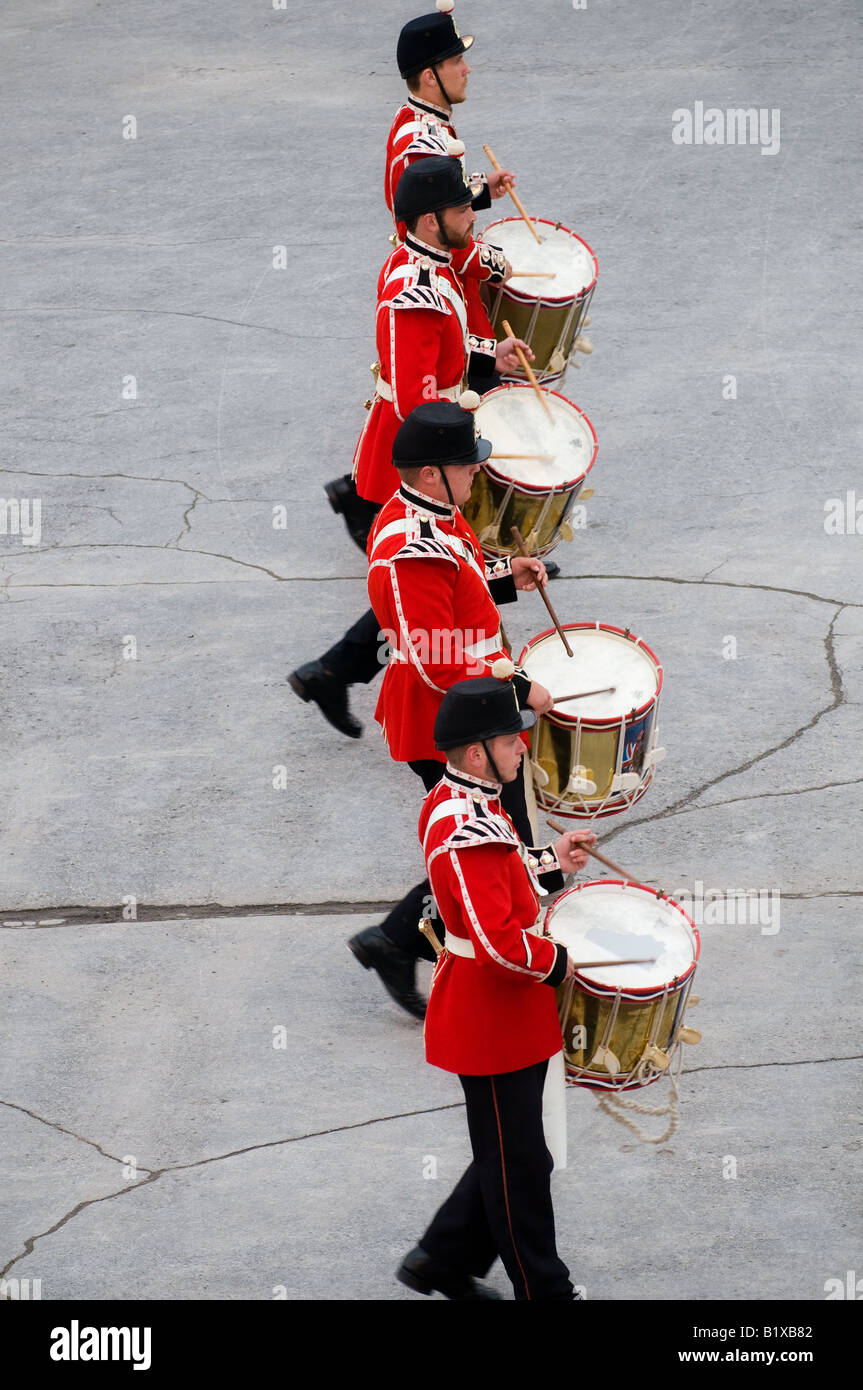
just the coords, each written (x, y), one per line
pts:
(314, 682)
(358, 513)
(397, 970)
(421, 1273)
(552, 568)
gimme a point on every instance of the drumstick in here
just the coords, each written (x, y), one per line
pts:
(514, 531)
(533, 274)
(510, 190)
(609, 863)
(582, 695)
(526, 367)
(641, 960)
(540, 458)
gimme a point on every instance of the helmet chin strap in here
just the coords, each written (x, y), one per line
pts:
(442, 471)
(492, 763)
(443, 90)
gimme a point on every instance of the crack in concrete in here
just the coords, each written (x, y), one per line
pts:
(75, 916)
(837, 698)
(35, 919)
(53, 1124)
(719, 584)
(155, 1173)
(761, 796)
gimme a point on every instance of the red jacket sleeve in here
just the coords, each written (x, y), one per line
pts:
(408, 342)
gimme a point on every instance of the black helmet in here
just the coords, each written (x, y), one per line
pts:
(428, 40)
(438, 433)
(429, 185)
(477, 709)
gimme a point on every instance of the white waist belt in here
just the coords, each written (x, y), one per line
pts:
(447, 393)
(459, 946)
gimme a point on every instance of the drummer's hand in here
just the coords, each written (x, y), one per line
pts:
(570, 968)
(508, 271)
(539, 699)
(505, 358)
(497, 182)
(527, 573)
(570, 857)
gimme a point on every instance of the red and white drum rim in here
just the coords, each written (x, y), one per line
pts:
(631, 991)
(505, 480)
(546, 298)
(612, 721)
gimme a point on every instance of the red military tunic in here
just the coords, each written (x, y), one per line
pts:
(429, 588)
(491, 1007)
(423, 341)
(419, 130)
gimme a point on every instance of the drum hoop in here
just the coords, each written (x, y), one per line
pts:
(636, 993)
(536, 489)
(550, 300)
(571, 721)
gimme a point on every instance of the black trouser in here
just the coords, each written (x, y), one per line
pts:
(502, 1205)
(402, 924)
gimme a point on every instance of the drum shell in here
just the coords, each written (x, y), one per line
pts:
(549, 324)
(605, 747)
(643, 1016)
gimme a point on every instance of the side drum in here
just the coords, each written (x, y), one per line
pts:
(535, 473)
(594, 757)
(546, 313)
(621, 1025)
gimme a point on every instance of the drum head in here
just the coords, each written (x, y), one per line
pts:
(561, 252)
(514, 421)
(600, 657)
(621, 921)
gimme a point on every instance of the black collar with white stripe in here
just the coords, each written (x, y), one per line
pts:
(422, 248)
(426, 504)
(429, 109)
(465, 781)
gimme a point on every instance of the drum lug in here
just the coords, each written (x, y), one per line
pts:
(540, 776)
(580, 782)
(605, 1058)
(626, 782)
(556, 362)
(656, 1055)
(654, 757)
(689, 1035)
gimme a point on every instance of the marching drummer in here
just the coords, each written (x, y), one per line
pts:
(423, 347)
(492, 1015)
(431, 58)
(436, 599)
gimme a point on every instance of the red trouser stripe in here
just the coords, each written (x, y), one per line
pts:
(505, 1190)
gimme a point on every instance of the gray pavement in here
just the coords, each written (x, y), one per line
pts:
(205, 1097)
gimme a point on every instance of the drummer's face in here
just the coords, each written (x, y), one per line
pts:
(461, 478)
(458, 223)
(507, 751)
(454, 73)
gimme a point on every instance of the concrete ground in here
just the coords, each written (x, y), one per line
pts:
(203, 1096)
